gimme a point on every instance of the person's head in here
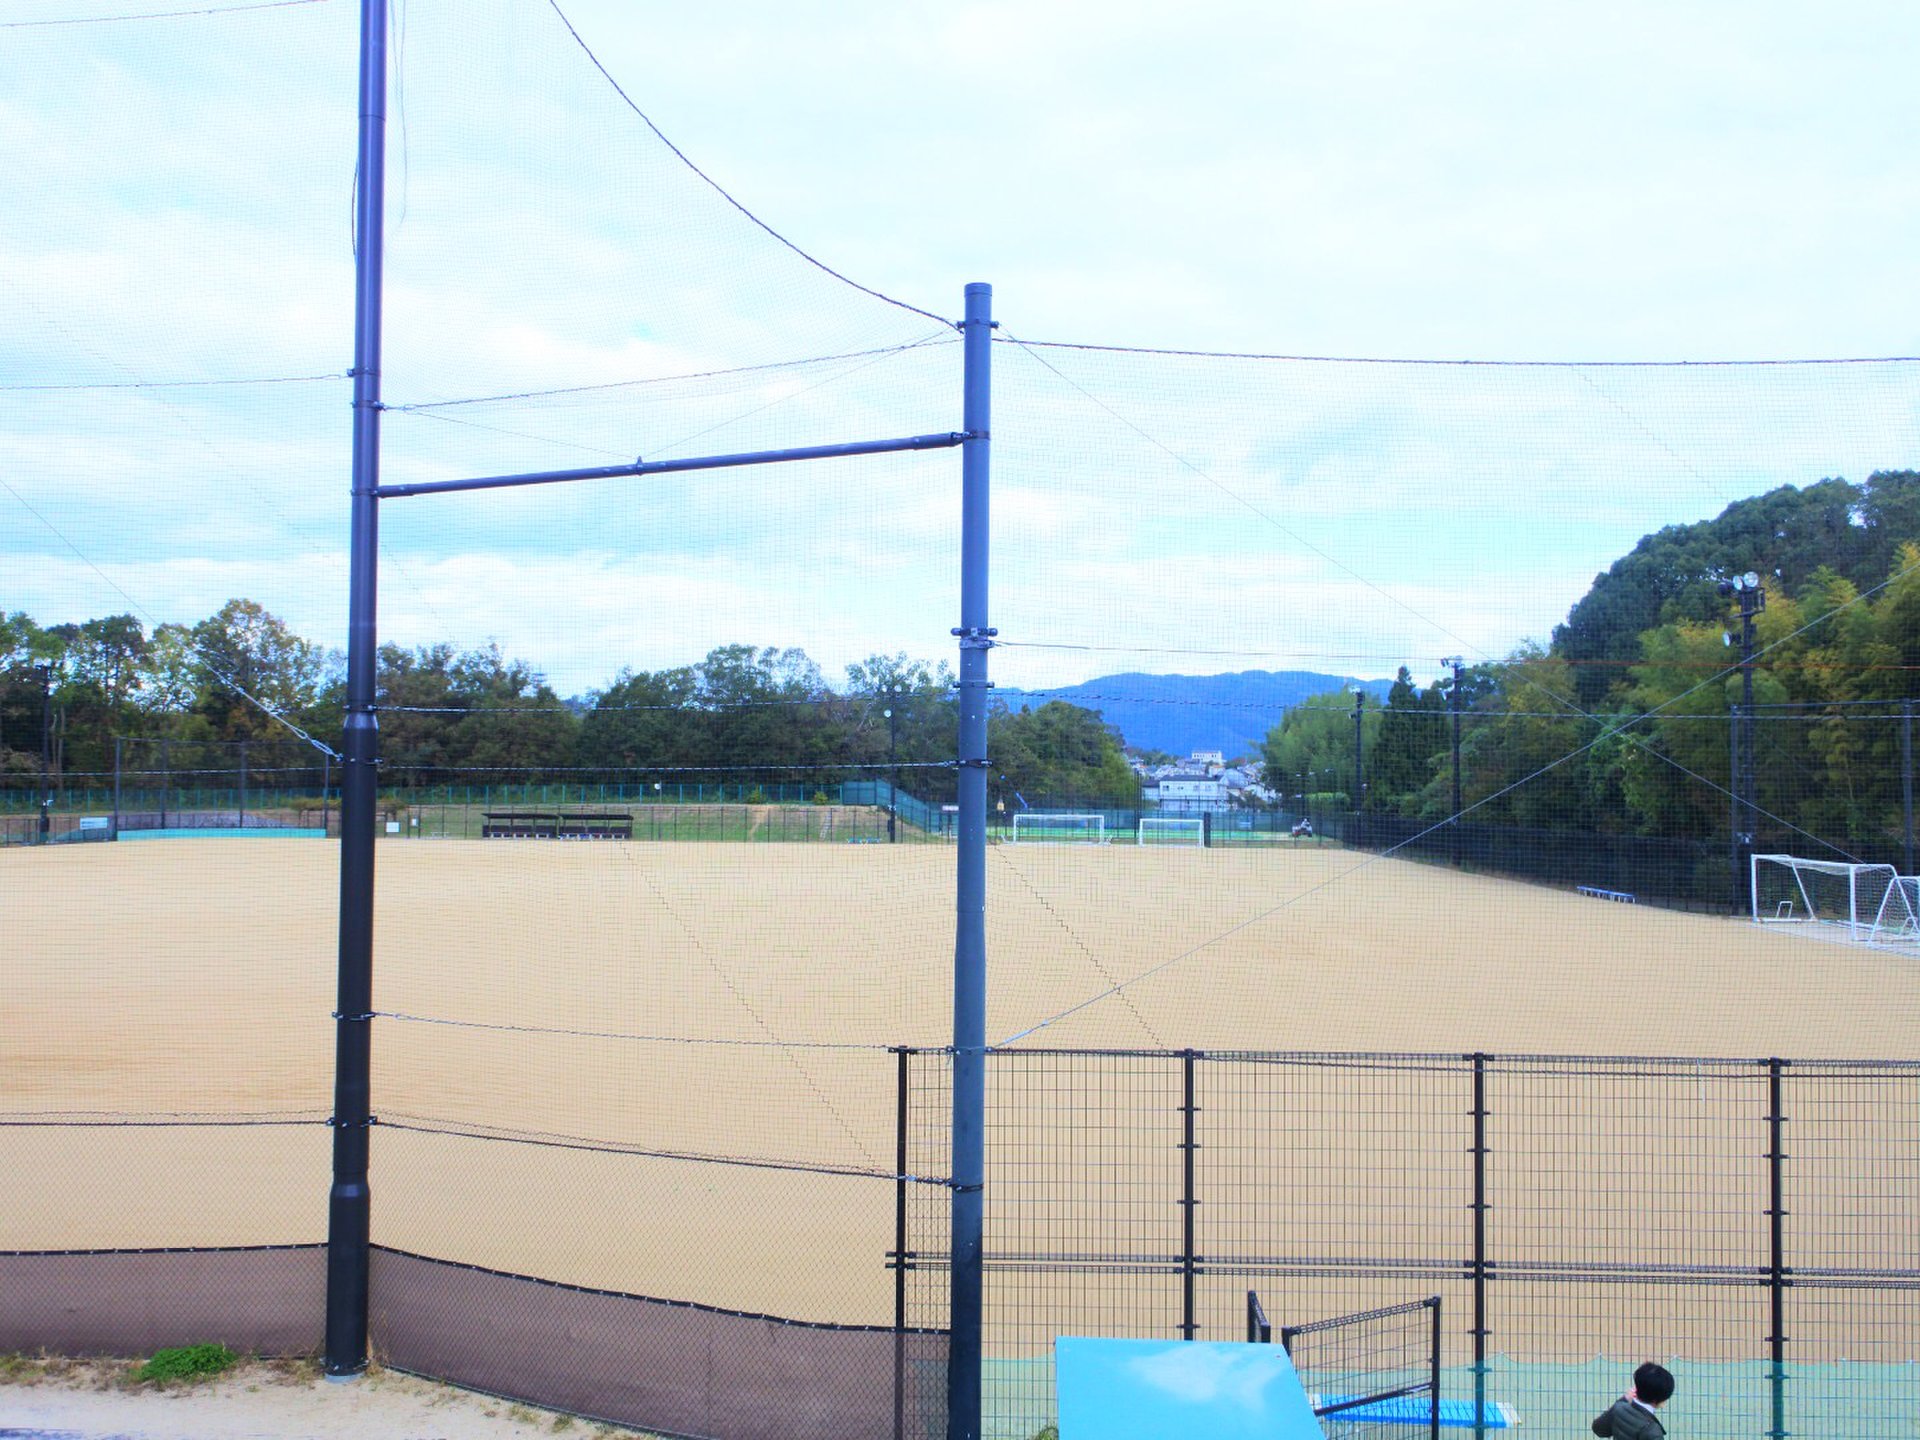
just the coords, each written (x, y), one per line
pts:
(1653, 1383)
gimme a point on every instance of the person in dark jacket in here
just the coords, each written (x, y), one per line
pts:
(1635, 1415)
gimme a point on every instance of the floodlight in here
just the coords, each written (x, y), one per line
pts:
(1752, 580)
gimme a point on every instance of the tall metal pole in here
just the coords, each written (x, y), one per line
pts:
(1906, 780)
(893, 764)
(347, 1206)
(970, 925)
(46, 753)
(1359, 701)
(1453, 705)
(116, 787)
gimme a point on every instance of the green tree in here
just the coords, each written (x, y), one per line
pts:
(1410, 739)
(1311, 750)
(1058, 754)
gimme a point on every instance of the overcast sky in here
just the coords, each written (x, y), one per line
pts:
(1484, 181)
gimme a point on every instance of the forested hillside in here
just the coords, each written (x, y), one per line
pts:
(1620, 725)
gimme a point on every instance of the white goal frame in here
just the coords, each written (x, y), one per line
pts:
(1172, 825)
(1882, 905)
(1095, 832)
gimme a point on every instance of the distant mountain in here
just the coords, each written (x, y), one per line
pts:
(1184, 713)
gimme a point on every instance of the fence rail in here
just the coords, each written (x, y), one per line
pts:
(1715, 1213)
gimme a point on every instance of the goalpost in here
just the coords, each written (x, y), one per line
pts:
(1171, 830)
(1041, 827)
(1867, 904)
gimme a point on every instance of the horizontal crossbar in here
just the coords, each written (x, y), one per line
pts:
(942, 441)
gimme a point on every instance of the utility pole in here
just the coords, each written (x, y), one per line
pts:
(1752, 598)
(46, 752)
(1906, 780)
(893, 763)
(1359, 704)
(1453, 705)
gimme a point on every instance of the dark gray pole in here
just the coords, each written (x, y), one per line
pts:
(1453, 705)
(166, 778)
(347, 1206)
(46, 753)
(893, 763)
(970, 925)
(1906, 780)
(116, 787)
(1359, 699)
(243, 784)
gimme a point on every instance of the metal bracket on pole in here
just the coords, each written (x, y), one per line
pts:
(977, 637)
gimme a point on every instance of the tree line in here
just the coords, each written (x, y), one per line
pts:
(1627, 731)
(767, 713)
(1607, 728)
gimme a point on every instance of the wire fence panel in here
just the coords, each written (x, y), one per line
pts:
(1575, 1216)
(672, 1366)
(261, 1300)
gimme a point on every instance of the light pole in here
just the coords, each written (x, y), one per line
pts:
(1454, 662)
(893, 762)
(1752, 597)
(1359, 704)
(46, 752)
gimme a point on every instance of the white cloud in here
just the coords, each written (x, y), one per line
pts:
(1299, 178)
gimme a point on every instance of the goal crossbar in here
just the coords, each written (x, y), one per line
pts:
(1045, 827)
(1171, 830)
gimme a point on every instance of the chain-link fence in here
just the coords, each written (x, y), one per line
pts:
(1750, 1223)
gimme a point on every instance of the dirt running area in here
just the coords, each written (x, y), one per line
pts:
(572, 995)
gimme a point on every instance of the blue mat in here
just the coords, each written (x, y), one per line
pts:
(1177, 1390)
(1417, 1410)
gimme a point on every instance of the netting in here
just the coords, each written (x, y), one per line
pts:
(1420, 667)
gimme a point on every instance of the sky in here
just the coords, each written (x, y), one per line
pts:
(1508, 182)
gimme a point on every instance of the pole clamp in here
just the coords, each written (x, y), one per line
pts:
(337, 1015)
(975, 637)
(335, 1123)
(969, 763)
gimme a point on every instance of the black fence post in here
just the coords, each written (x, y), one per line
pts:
(1188, 1327)
(1433, 1376)
(1259, 1328)
(901, 1053)
(116, 787)
(1776, 1263)
(1479, 1267)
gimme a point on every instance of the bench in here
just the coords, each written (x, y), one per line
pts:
(1600, 892)
(556, 825)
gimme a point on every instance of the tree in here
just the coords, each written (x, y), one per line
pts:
(247, 666)
(1058, 754)
(1311, 750)
(1410, 738)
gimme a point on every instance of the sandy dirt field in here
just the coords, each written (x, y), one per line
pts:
(63, 1401)
(159, 978)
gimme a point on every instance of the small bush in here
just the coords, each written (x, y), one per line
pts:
(820, 797)
(756, 796)
(186, 1362)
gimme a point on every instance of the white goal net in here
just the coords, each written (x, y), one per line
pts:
(1040, 827)
(1168, 830)
(1866, 904)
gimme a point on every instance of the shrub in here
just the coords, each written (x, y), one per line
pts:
(186, 1362)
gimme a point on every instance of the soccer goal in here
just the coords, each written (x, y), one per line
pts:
(1867, 904)
(1171, 830)
(1041, 827)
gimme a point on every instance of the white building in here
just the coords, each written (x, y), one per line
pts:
(1189, 791)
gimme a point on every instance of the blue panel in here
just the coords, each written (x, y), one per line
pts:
(1178, 1390)
(1416, 1410)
